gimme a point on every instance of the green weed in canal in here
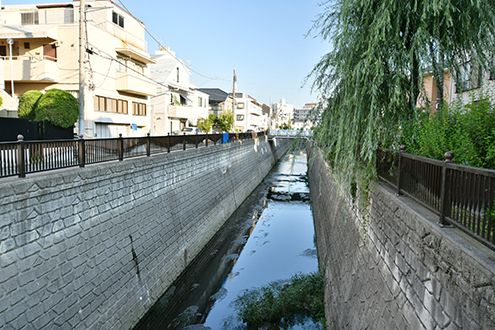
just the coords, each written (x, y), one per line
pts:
(281, 305)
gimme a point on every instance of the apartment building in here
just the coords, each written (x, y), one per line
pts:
(304, 117)
(39, 50)
(177, 103)
(468, 85)
(248, 114)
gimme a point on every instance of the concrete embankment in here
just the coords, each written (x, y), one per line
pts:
(392, 266)
(94, 248)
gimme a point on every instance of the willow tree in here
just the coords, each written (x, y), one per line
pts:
(372, 76)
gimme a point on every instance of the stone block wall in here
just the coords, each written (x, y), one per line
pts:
(94, 248)
(394, 267)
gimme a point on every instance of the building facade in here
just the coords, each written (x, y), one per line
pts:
(468, 85)
(304, 118)
(282, 114)
(177, 104)
(219, 100)
(248, 114)
(44, 54)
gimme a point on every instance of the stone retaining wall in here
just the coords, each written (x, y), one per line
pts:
(395, 268)
(94, 248)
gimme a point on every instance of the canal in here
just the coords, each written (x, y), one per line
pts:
(269, 238)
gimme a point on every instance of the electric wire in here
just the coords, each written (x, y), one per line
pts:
(171, 53)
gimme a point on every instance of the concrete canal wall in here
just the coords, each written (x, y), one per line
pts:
(94, 248)
(395, 268)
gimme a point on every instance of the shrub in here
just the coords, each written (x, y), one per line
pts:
(281, 305)
(1, 101)
(27, 104)
(58, 107)
(468, 131)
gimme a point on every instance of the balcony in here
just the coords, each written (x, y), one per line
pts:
(30, 69)
(131, 83)
(187, 112)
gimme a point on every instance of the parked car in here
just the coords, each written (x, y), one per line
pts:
(190, 130)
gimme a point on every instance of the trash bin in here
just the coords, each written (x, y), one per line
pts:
(225, 137)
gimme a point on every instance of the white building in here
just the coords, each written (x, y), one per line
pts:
(282, 114)
(45, 55)
(248, 114)
(305, 117)
(177, 104)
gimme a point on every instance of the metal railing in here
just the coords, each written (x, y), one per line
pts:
(23, 157)
(461, 196)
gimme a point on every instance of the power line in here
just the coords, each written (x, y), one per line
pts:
(168, 51)
(109, 57)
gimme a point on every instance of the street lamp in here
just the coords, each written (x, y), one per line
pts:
(10, 41)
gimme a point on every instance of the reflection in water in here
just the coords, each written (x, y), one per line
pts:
(256, 246)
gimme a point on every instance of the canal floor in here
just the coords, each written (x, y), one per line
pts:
(269, 238)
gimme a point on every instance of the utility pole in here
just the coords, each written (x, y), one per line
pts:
(234, 80)
(82, 57)
(10, 41)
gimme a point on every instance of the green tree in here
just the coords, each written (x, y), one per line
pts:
(225, 121)
(205, 124)
(58, 107)
(372, 77)
(27, 104)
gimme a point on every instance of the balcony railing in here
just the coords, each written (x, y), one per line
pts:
(29, 68)
(461, 196)
(24, 157)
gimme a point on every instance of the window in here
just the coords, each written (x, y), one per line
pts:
(106, 104)
(469, 77)
(68, 15)
(200, 102)
(240, 105)
(138, 109)
(27, 45)
(118, 19)
(122, 106)
(240, 117)
(30, 18)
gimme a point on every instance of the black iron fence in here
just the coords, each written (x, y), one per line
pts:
(460, 195)
(23, 157)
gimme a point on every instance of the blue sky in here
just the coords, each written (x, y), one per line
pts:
(264, 40)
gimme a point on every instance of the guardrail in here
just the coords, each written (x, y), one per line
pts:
(24, 157)
(462, 196)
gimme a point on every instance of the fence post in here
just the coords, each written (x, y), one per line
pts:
(148, 145)
(168, 142)
(184, 142)
(21, 161)
(82, 151)
(196, 142)
(206, 141)
(402, 148)
(121, 147)
(445, 191)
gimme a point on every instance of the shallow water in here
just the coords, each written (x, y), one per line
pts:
(270, 238)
